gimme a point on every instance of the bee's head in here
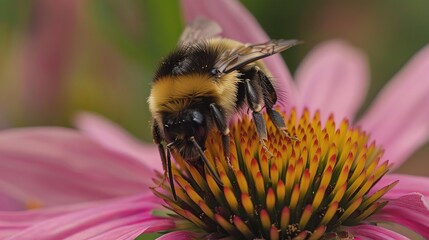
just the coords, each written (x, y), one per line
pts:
(180, 127)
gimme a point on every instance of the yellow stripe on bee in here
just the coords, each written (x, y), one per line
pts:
(175, 93)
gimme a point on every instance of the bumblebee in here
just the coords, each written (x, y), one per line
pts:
(202, 84)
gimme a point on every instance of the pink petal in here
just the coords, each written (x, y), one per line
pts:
(124, 218)
(115, 138)
(125, 232)
(399, 117)
(237, 23)
(408, 201)
(366, 231)
(46, 56)
(411, 211)
(8, 202)
(334, 79)
(13, 222)
(54, 166)
(180, 235)
(407, 184)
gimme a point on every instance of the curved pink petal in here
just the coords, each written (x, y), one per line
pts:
(367, 232)
(115, 138)
(13, 222)
(399, 117)
(124, 218)
(180, 235)
(237, 23)
(46, 57)
(334, 79)
(411, 211)
(54, 166)
(123, 233)
(407, 184)
(126, 232)
(8, 202)
(408, 202)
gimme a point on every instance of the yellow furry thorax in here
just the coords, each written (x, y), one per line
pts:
(175, 93)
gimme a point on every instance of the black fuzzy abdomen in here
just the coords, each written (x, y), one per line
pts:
(199, 58)
(241, 94)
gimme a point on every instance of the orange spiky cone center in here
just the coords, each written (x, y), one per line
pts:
(296, 190)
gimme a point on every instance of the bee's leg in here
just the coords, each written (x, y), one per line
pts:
(166, 160)
(170, 171)
(270, 98)
(158, 141)
(254, 96)
(222, 126)
(206, 161)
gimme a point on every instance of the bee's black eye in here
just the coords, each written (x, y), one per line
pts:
(197, 117)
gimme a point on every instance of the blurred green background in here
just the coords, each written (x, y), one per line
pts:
(60, 57)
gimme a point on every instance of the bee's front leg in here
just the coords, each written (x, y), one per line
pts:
(165, 158)
(222, 125)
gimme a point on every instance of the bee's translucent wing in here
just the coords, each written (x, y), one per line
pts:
(238, 57)
(200, 28)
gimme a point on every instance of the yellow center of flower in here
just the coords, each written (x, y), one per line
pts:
(290, 190)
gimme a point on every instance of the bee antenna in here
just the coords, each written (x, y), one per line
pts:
(206, 161)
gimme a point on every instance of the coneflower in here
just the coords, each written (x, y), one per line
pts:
(304, 189)
(94, 183)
